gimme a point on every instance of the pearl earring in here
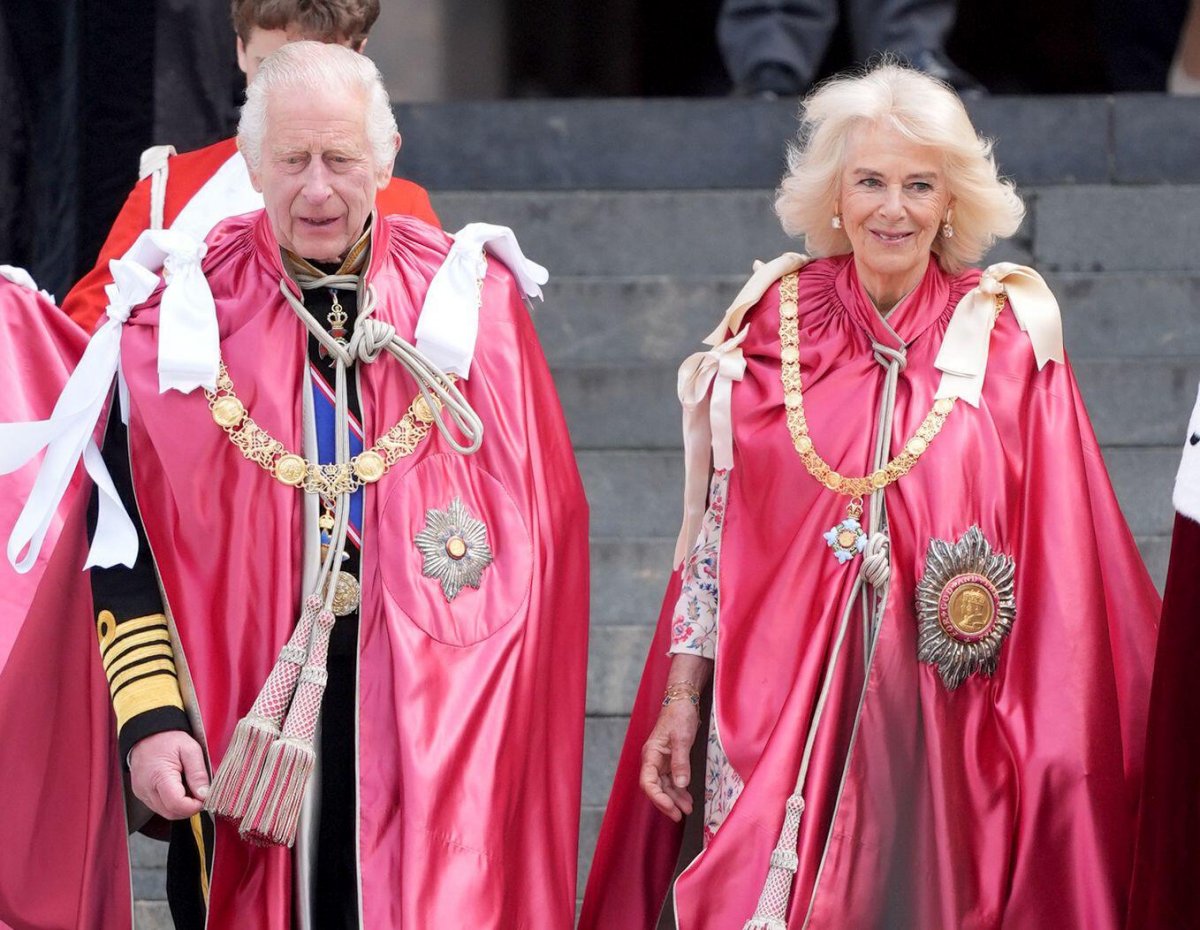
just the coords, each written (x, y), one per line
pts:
(836, 221)
(947, 228)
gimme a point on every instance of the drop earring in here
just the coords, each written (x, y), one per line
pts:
(947, 228)
(836, 221)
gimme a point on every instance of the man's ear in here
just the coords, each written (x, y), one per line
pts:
(242, 60)
(360, 46)
(255, 182)
(385, 174)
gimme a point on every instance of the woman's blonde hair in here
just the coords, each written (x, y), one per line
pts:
(986, 207)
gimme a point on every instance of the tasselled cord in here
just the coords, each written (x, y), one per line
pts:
(876, 565)
(371, 337)
(868, 581)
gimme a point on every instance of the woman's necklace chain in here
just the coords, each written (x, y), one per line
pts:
(847, 538)
(327, 481)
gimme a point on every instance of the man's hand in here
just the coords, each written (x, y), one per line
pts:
(666, 763)
(169, 775)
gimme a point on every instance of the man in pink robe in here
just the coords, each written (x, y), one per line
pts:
(452, 718)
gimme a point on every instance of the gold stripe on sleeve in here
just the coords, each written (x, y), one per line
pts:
(139, 663)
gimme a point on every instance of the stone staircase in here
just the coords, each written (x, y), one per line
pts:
(648, 214)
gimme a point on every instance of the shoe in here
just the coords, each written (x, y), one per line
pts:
(772, 80)
(935, 63)
(1180, 83)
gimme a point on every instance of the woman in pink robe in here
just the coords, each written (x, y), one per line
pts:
(926, 624)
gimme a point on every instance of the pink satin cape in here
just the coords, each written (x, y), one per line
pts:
(470, 715)
(63, 858)
(38, 351)
(1007, 803)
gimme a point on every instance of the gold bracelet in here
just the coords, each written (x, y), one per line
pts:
(679, 691)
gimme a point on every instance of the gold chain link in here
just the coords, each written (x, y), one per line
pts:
(793, 400)
(328, 481)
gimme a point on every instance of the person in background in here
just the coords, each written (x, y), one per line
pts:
(775, 48)
(194, 191)
(1184, 79)
(1165, 890)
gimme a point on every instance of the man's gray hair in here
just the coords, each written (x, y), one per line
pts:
(317, 66)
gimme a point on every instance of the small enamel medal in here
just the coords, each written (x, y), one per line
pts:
(847, 539)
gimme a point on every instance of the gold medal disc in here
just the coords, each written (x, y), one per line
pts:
(369, 466)
(228, 412)
(971, 609)
(291, 469)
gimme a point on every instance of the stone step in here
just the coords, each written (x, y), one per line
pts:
(706, 232)
(637, 494)
(1118, 229)
(1132, 402)
(683, 233)
(152, 915)
(631, 144)
(622, 320)
(629, 576)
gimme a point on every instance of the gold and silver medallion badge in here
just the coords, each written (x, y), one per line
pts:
(965, 607)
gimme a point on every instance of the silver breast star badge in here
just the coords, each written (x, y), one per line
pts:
(455, 548)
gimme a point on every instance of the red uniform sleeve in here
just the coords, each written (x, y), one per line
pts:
(86, 301)
(407, 199)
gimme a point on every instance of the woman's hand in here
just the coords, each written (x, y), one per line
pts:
(666, 759)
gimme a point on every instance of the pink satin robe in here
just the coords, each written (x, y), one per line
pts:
(1007, 803)
(470, 713)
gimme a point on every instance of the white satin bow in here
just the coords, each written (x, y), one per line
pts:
(963, 356)
(23, 278)
(189, 353)
(449, 323)
(68, 435)
(188, 339)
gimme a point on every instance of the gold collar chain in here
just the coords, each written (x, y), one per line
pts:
(847, 537)
(327, 481)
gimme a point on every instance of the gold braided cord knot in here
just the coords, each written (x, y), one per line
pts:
(793, 401)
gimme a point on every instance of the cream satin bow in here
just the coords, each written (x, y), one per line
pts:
(963, 356)
(68, 436)
(706, 394)
(765, 274)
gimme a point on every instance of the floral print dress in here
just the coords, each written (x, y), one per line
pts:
(694, 632)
